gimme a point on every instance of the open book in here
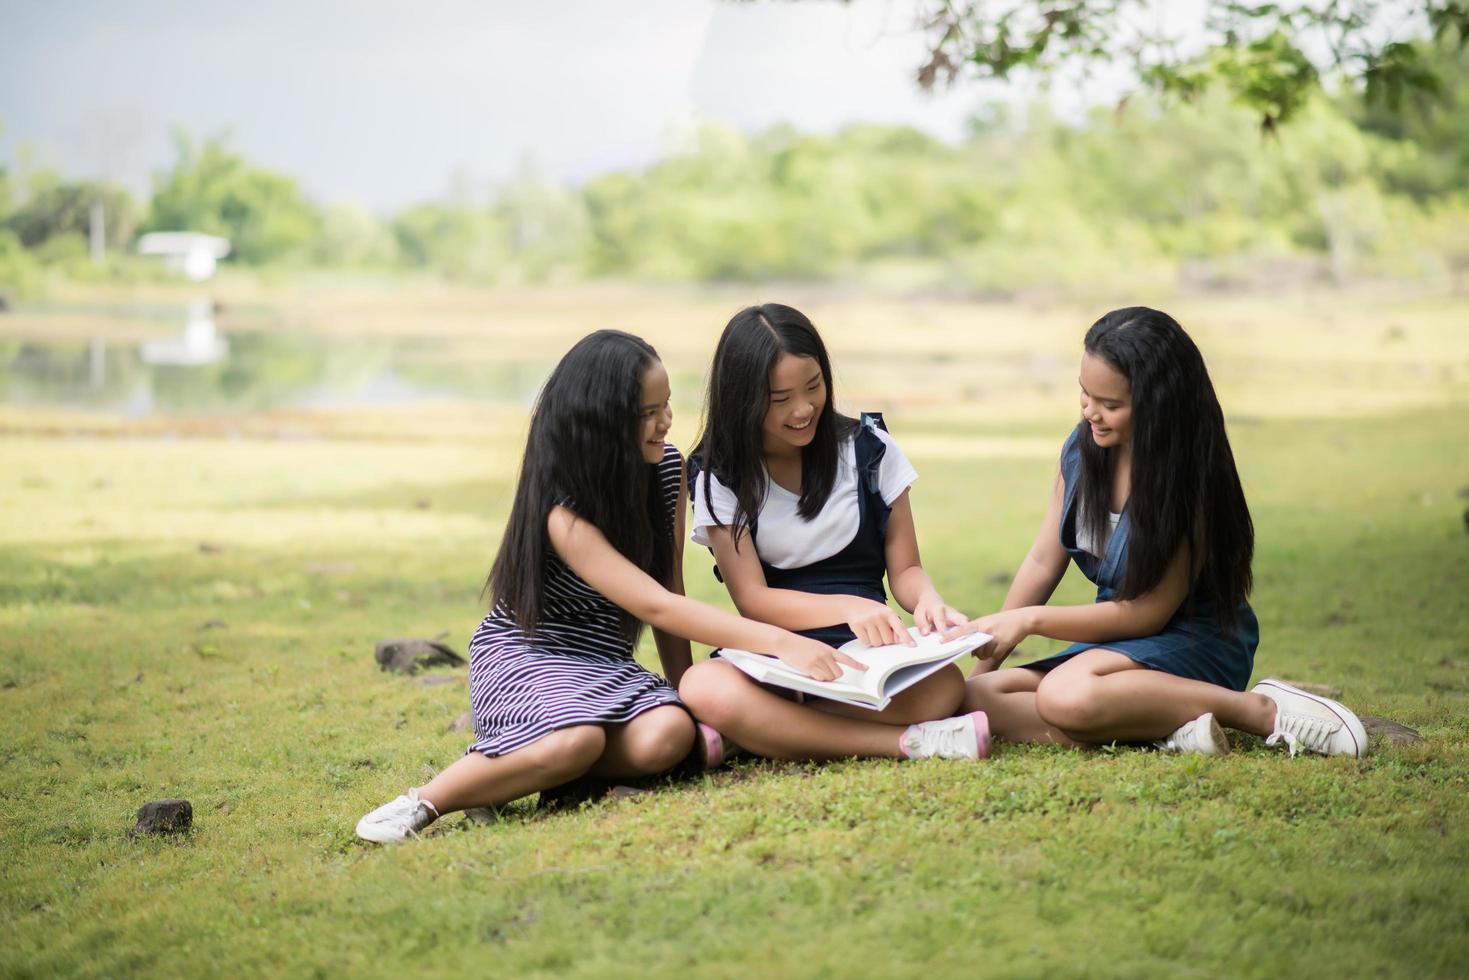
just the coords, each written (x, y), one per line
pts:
(890, 669)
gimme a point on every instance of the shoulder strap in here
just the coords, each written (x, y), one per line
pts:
(869, 450)
(692, 465)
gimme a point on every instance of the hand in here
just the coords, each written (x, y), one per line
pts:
(1008, 628)
(876, 625)
(815, 659)
(932, 613)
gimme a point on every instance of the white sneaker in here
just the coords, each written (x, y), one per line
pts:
(1202, 735)
(1307, 721)
(397, 821)
(964, 737)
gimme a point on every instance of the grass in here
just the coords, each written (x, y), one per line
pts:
(188, 607)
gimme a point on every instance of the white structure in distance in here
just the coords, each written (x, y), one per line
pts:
(192, 253)
(195, 255)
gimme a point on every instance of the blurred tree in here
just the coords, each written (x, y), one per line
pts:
(215, 190)
(1269, 56)
(4, 184)
(52, 207)
(1437, 132)
(351, 236)
(545, 224)
(458, 237)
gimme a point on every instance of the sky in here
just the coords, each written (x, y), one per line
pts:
(385, 103)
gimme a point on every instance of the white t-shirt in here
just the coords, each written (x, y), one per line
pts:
(783, 538)
(1097, 549)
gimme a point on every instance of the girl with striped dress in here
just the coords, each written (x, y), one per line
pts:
(592, 551)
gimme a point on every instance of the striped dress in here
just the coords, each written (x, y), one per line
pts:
(578, 670)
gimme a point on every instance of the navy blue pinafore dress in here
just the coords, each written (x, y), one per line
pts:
(857, 569)
(1190, 645)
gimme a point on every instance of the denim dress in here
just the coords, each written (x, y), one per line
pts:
(1191, 644)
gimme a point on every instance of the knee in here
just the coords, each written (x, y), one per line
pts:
(662, 740)
(1067, 703)
(568, 752)
(980, 692)
(936, 696)
(944, 691)
(712, 692)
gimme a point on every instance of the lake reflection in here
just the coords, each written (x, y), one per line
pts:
(253, 371)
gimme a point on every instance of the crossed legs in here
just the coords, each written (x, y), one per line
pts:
(772, 726)
(1101, 696)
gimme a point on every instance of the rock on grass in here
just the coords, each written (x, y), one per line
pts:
(1385, 730)
(410, 655)
(163, 817)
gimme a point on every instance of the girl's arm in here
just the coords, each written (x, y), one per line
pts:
(588, 553)
(673, 651)
(1035, 581)
(873, 622)
(1045, 563)
(1025, 613)
(910, 583)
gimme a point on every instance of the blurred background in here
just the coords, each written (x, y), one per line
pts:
(431, 205)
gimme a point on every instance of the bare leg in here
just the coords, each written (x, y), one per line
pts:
(653, 742)
(767, 724)
(1101, 696)
(480, 780)
(936, 696)
(1008, 697)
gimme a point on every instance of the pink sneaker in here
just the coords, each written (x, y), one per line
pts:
(711, 749)
(962, 737)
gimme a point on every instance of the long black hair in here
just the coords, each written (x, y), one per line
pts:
(583, 453)
(731, 445)
(1185, 489)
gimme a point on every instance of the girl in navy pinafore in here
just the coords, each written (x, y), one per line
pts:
(806, 510)
(1148, 504)
(858, 568)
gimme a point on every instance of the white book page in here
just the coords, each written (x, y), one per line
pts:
(861, 685)
(884, 660)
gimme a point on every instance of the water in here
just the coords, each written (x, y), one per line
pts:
(252, 371)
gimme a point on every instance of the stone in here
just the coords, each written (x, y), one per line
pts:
(1320, 690)
(163, 817)
(410, 655)
(464, 723)
(1383, 729)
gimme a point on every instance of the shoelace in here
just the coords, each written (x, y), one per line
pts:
(1297, 731)
(1181, 740)
(946, 741)
(417, 805)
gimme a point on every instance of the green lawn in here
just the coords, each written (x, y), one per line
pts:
(188, 607)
